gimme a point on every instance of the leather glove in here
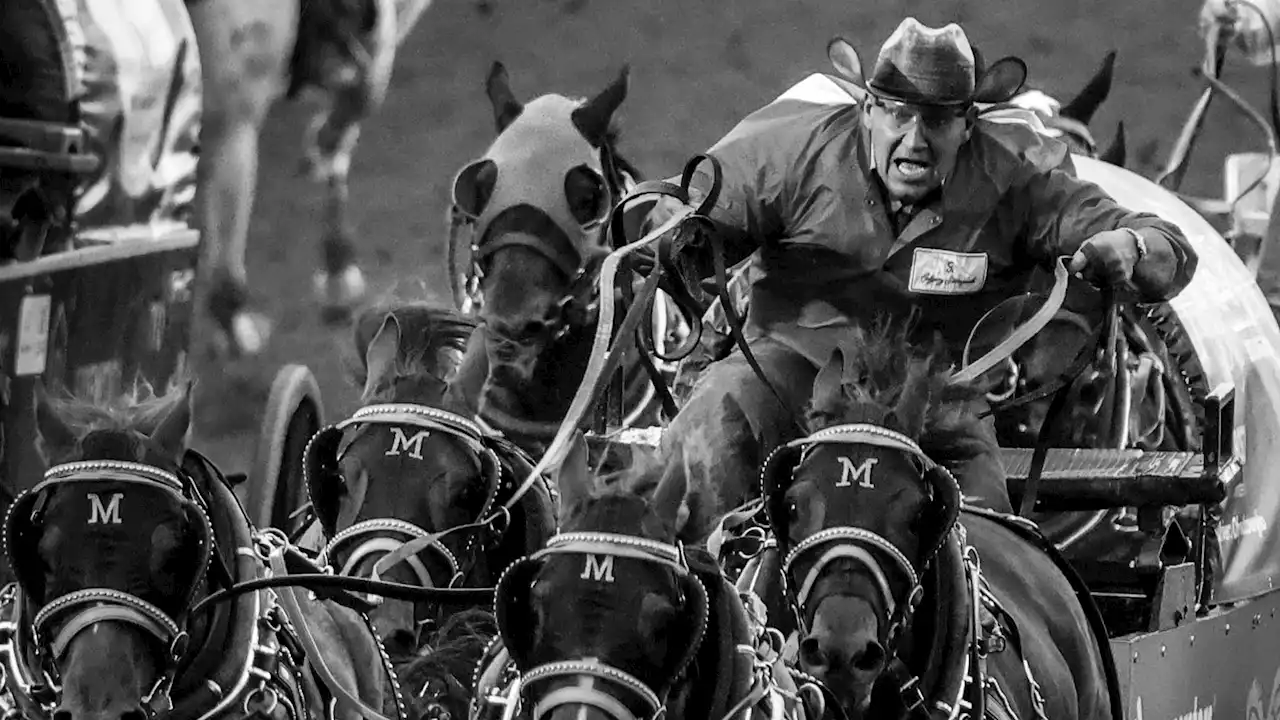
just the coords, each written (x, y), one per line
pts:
(1108, 258)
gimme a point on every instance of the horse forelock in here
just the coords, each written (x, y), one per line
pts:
(888, 379)
(432, 342)
(139, 409)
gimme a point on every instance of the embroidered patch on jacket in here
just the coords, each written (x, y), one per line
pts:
(944, 272)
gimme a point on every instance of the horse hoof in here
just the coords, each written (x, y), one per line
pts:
(339, 293)
(249, 333)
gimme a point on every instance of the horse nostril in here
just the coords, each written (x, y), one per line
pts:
(400, 642)
(871, 659)
(533, 329)
(811, 654)
(61, 715)
(134, 714)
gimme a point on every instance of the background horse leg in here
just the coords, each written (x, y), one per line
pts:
(339, 284)
(244, 47)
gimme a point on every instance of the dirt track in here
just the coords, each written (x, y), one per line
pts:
(697, 67)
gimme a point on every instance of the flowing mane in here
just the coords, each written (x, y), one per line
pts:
(138, 409)
(887, 380)
(642, 478)
(431, 347)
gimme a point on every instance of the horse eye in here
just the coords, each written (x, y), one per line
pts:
(585, 192)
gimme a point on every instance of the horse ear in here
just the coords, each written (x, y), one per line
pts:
(55, 437)
(1116, 153)
(506, 108)
(380, 357)
(1002, 81)
(171, 432)
(827, 385)
(846, 60)
(573, 478)
(1083, 106)
(593, 117)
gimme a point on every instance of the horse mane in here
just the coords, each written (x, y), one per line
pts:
(432, 341)
(138, 409)
(643, 477)
(904, 386)
(620, 163)
(452, 652)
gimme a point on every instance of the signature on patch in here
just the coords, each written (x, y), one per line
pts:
(947, 279)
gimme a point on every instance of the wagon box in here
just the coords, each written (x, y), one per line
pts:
(92, 320)
(1226, 664)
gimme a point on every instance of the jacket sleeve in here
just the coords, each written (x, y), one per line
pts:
(1064, 211)
(756, 163)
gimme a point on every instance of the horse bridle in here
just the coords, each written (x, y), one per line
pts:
(375, 536)
(61, 619)
(859, 545)
(578, 306)
(611, 545)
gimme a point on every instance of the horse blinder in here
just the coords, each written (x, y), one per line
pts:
(324, 476)
(942, 513)
(775, 479)
(513, 610)
(22, 532)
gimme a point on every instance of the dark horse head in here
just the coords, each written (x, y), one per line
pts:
(110, 550)
(408, 466)
(535, 204)
(860, 510)
(618, 618)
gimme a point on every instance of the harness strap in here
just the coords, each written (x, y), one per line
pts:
(669, 251)
(1022, 334)
(293, 610)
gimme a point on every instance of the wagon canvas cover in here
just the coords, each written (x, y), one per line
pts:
(1236, 338)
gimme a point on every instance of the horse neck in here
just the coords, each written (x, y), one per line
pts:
(719, 675)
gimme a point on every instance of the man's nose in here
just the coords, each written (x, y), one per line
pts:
(913, 136)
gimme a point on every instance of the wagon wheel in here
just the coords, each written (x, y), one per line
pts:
(294, 413)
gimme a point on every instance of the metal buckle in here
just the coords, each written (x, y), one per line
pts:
(911, 692)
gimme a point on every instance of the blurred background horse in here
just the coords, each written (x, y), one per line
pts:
(253, 52)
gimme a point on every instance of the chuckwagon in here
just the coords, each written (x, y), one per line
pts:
(97, 265)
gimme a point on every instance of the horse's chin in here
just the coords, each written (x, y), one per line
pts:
(108, 669)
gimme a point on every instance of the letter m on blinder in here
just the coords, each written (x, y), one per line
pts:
(400, 442)
(598, 568)
(104, 514)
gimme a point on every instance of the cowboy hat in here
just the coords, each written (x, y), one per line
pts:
(930, 66)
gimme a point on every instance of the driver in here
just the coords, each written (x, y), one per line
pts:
(906, 203)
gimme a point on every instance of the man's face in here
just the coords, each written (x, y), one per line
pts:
(914, 146)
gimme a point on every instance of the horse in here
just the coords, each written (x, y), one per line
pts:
(249, 50)
(534, 207)
(624, 616)
(127, 533)
(905, 597)
(408, 467)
